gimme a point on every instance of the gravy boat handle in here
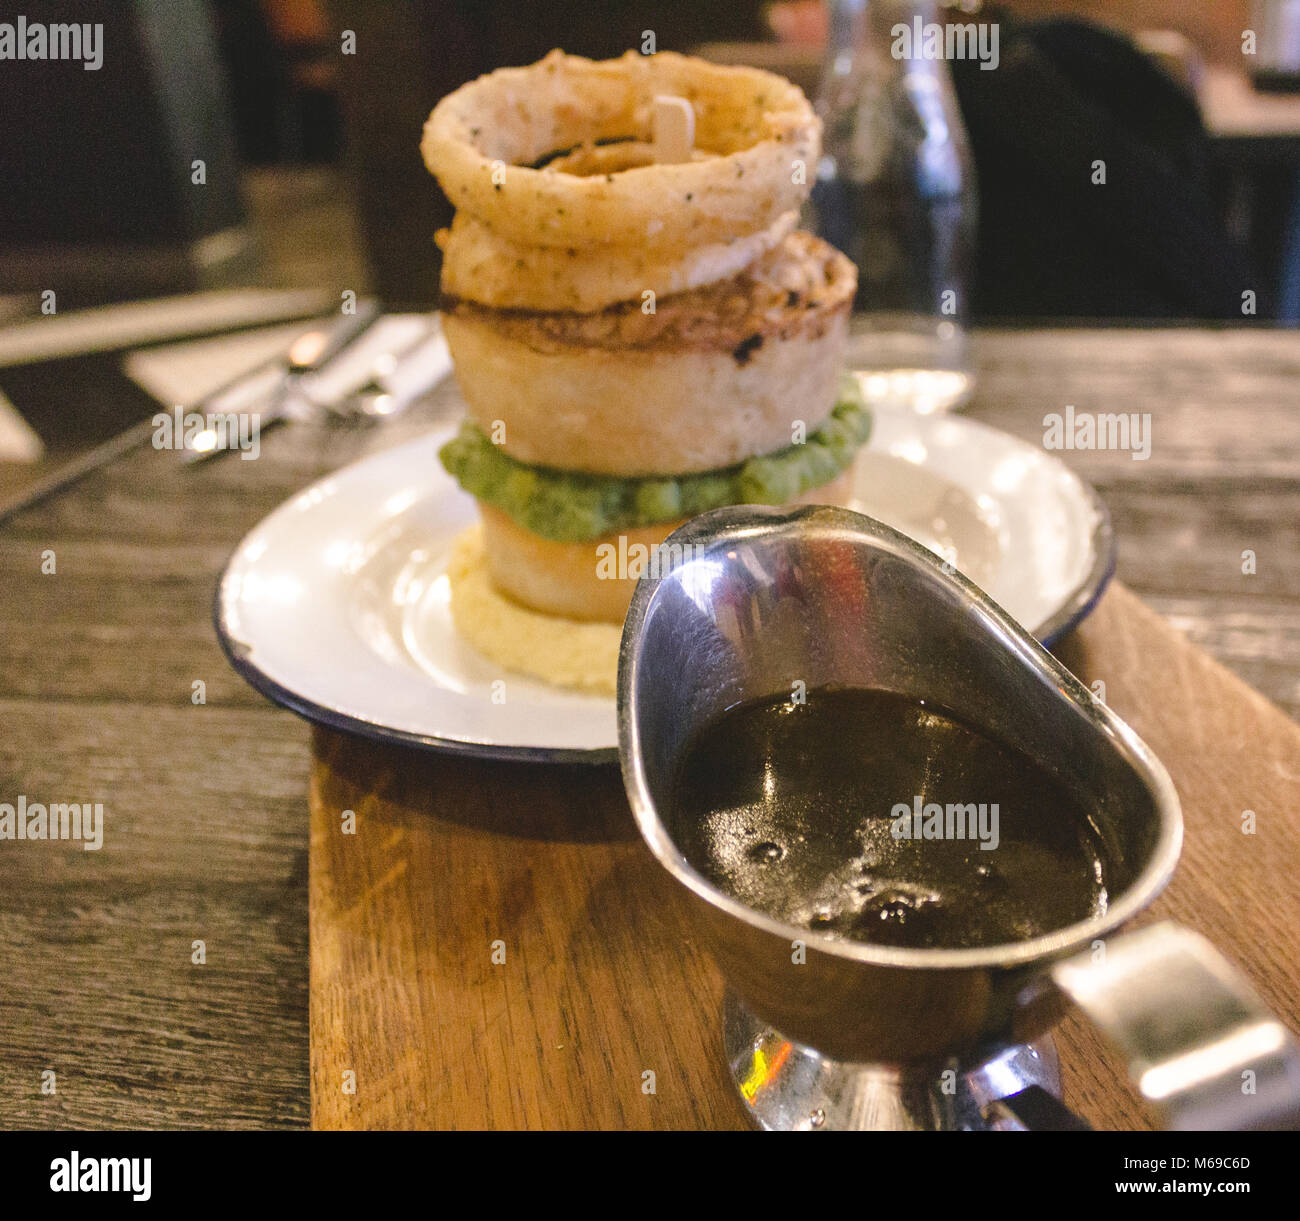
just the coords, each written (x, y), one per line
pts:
(1198, 1043)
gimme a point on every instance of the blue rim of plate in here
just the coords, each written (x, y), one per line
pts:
(1073, 610)
(333, 718)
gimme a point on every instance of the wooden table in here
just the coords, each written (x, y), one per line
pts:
(493, 947)
(207, 803)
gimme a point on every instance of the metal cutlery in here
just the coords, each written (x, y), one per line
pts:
(369, 372)
(400, 379)
(289, 385)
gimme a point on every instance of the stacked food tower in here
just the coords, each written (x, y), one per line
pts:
(639, 330)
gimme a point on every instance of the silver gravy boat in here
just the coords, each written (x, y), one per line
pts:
(848, 1035)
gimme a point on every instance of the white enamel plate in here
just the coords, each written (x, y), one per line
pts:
(336, 605)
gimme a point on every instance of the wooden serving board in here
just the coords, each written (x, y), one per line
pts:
(413, 1024)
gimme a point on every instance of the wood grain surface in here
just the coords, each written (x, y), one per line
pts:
(415, 1025)
(206, 806)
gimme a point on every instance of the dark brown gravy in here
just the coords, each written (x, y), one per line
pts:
(796, 809)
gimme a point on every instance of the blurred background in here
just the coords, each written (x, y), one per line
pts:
(311, 176)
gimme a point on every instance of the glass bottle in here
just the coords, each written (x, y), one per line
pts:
(895, 190)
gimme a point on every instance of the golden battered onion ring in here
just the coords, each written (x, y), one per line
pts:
(478, 265)
(481, 141)
(589, 159)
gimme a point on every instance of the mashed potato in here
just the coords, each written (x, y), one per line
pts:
(565, 652)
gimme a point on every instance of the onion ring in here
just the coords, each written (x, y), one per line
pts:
(589, 159)
(757, 129)
(479, 265)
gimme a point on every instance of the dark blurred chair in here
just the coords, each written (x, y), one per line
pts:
(1149, 242)
(100, 200)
